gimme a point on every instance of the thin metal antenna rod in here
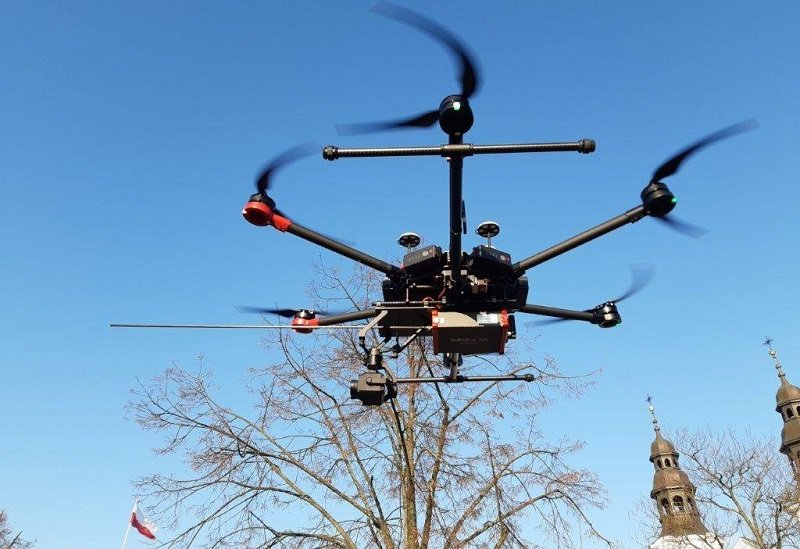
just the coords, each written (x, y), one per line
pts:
(237, 326)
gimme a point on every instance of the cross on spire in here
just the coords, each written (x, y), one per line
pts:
(652, 409)
(768, 344)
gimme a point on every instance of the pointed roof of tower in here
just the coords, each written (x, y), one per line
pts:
(786, 392)
(660, 445)
(672, 490)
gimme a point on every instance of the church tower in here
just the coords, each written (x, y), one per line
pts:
(672, 491)
(788, 406)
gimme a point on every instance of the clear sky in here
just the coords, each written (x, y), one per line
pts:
(133, 132)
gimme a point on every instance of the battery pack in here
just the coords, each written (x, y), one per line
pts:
(423, 260)
(469, 333)
(489, 261)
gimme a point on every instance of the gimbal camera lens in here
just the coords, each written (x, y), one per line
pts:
(369, 388)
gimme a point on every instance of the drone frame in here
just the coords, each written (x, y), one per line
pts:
(412, 318)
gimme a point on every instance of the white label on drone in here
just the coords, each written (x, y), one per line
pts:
(487, 318)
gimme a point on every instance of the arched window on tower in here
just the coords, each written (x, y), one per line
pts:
(798, 410)
(677, 501)
(789, 412)
(665, 506)
(667, 463)
(658, 463)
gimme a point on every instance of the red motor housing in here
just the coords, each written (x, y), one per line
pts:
(304, 318)
(258, 213)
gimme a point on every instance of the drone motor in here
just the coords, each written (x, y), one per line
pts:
(259, 210)
(455, 115)
(303, 318)
(607, 315)
(657, 199)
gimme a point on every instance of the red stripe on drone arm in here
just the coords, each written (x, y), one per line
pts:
(281, 223)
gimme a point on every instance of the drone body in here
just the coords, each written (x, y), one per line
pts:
(465, 302)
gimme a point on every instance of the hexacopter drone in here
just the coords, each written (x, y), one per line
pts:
(465, 302)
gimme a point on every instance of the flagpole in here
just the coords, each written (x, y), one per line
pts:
(128, 530)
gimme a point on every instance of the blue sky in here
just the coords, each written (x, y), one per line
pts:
(134, 130)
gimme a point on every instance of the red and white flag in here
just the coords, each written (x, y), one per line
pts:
(144, 526)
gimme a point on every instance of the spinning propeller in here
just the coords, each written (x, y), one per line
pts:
(659, 200)
(260, 208)
(454, 113)
(606, 314)
(303, 320)
(285, 313)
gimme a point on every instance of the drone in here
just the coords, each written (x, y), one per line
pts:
(465, 302)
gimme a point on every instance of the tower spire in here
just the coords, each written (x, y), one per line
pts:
(768, 344)
(672, 490)
(787, 401)
(652, 409)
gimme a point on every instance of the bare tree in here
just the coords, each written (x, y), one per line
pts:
(745, 488)
(446, 466)
(8, 539)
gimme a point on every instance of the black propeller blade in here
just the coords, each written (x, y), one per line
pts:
(260, 207)
(466, 66)
(641, 275)
(687, 229)
(671, 166)
(286, 157)
(285, 313)
(659, 200)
